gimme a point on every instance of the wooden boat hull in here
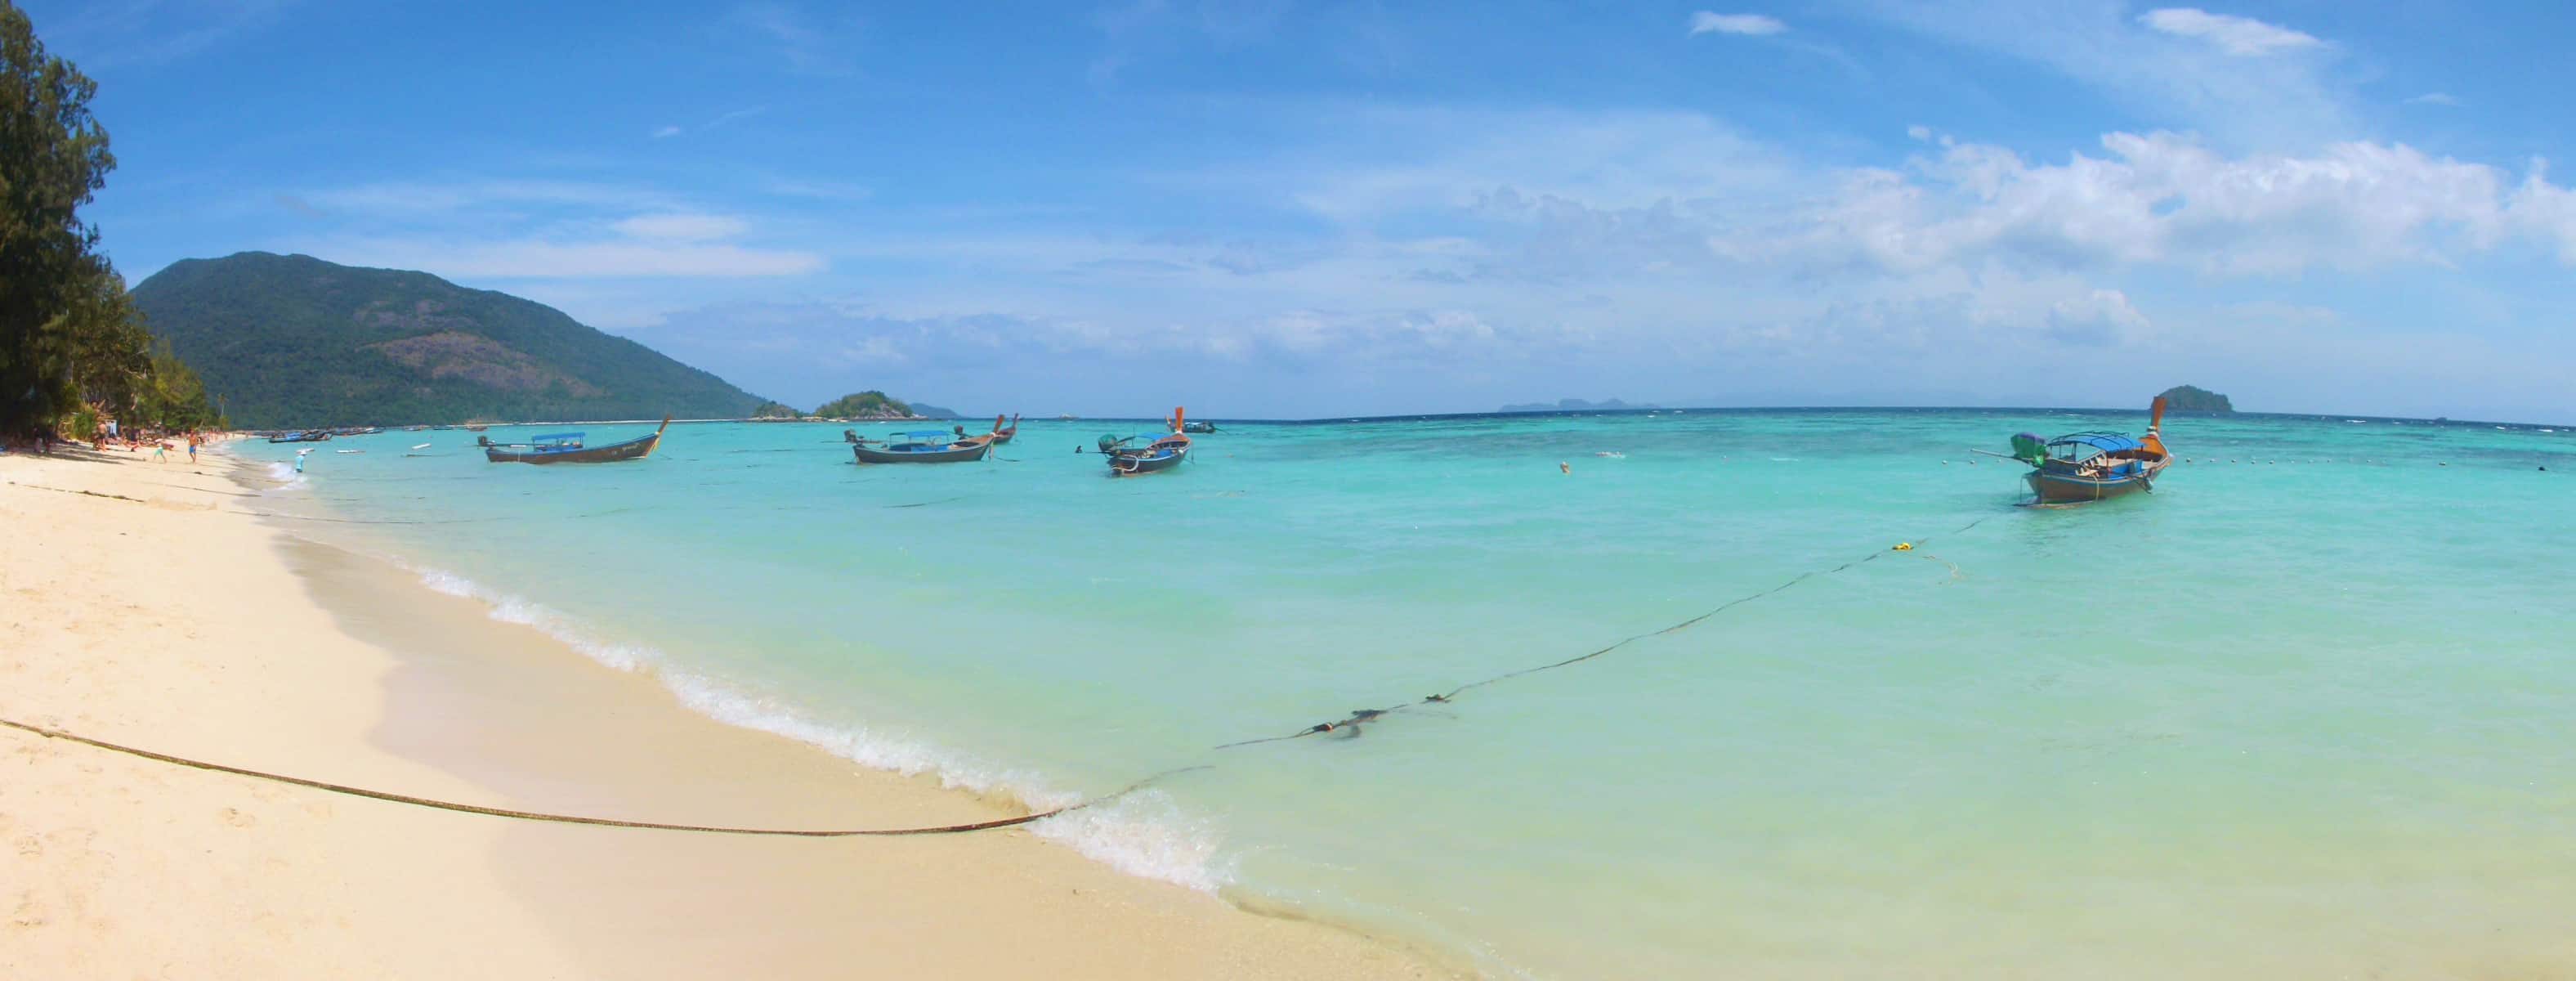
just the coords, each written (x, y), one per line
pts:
(1139, 464)
(633, 449)
(962, 454)
(2057, 487)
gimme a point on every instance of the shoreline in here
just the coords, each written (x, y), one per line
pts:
(280, 653)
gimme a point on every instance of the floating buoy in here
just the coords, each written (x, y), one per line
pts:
(1904, 547)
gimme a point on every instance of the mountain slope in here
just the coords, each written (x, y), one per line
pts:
(292, 340)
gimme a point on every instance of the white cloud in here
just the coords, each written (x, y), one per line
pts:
(2168, 199)
(2433, 99)
(682, 226)
(666, 132)
(2100, 318)
(2243, 36)
(1707, 22)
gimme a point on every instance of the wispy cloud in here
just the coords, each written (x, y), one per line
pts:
(550, 259)
(2194, 82)
(1709, 22)
(682, 226)
(117, 33)
(808, 47)
(818, 190)
(667, 132)
(2433, 99)
(2243, 36)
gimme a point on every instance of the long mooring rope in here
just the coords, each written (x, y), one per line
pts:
(1359, 717)
(443, 805)
(1351, 724)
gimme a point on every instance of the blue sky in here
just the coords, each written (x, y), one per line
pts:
(1298, 209)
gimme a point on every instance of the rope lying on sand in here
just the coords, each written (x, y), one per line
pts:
(1361, 716)
(945, 829)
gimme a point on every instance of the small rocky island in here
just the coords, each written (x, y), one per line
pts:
(2187, 398)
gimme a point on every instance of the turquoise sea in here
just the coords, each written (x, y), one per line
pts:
(2308, 710)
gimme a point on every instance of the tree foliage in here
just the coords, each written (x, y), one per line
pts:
(71, 342)
(864, 405)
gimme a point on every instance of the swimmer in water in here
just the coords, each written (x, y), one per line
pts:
(1564, 467)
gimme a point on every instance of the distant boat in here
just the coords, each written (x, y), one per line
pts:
(2093, 466)
(1198, 427)
(568, 448)
(309, 436)
(1067, 417)
(475, 428)
(929, 446)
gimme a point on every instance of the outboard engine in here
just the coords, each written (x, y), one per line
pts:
(2029, 448)
(1110, 444)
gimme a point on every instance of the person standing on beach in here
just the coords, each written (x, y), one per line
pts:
(193, 440)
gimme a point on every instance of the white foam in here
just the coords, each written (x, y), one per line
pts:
(1143, 834)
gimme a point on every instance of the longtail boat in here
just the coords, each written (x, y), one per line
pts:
(1159, 454)
(568, 448)
(1001, 433)
(308, 436)
(1198, 427)
(2093, 466)
(931, 446)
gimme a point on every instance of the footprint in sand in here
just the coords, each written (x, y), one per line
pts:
(28, 913)
(29, 847)
(234, 816)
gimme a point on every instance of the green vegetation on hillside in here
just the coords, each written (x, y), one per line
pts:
(864, 405)
(2185, 398)
(776, 410)
(73, 348)
(293, 341)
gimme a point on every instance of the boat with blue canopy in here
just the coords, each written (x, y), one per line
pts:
(926, 446)
(567, 447)
(2094, 465)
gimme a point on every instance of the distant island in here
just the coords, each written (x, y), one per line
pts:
(874, 404)
(2186, 398)
(1577, 405)
(294, 341)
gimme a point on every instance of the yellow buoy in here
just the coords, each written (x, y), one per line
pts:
(1904, 546)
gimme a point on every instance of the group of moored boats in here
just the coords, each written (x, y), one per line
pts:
(1127, 456)
(2074, 468)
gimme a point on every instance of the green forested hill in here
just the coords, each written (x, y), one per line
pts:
(293, 341)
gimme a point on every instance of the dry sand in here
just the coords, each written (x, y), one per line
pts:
(180, 622)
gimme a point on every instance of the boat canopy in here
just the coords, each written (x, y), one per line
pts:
(2098, 442)
(555, 437)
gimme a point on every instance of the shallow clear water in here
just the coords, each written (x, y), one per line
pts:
(2307, 716)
